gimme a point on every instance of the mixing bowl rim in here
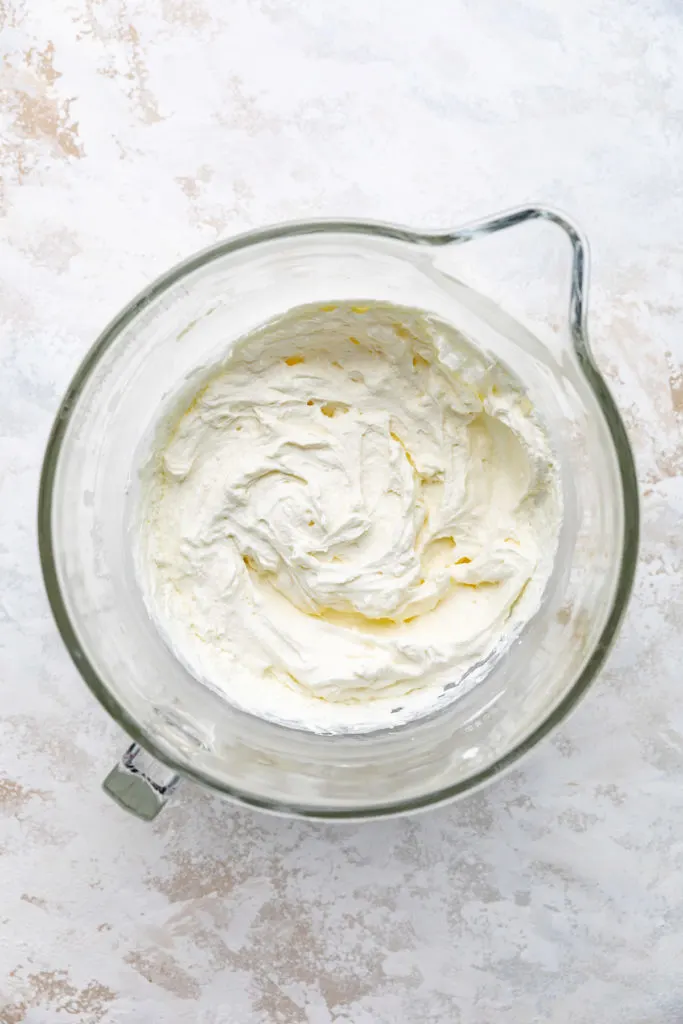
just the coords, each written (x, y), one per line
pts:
(376, 229)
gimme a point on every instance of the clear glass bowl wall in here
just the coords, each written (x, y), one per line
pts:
(187, 319)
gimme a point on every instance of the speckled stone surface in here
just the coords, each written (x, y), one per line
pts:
(135, 132)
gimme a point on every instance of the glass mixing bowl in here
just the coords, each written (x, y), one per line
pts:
(186, 319)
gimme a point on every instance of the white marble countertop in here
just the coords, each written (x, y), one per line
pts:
(135, 133)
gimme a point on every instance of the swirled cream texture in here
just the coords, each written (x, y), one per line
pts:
(355, 509)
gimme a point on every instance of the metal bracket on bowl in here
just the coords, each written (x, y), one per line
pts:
(140, 784)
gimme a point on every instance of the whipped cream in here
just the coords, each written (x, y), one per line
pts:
(354, 510)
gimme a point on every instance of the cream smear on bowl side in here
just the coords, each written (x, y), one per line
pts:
(355, 508)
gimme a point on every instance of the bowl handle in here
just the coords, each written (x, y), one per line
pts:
(140, 783)
(580, 261)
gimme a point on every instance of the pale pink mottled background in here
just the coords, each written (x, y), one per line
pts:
(135, 131)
